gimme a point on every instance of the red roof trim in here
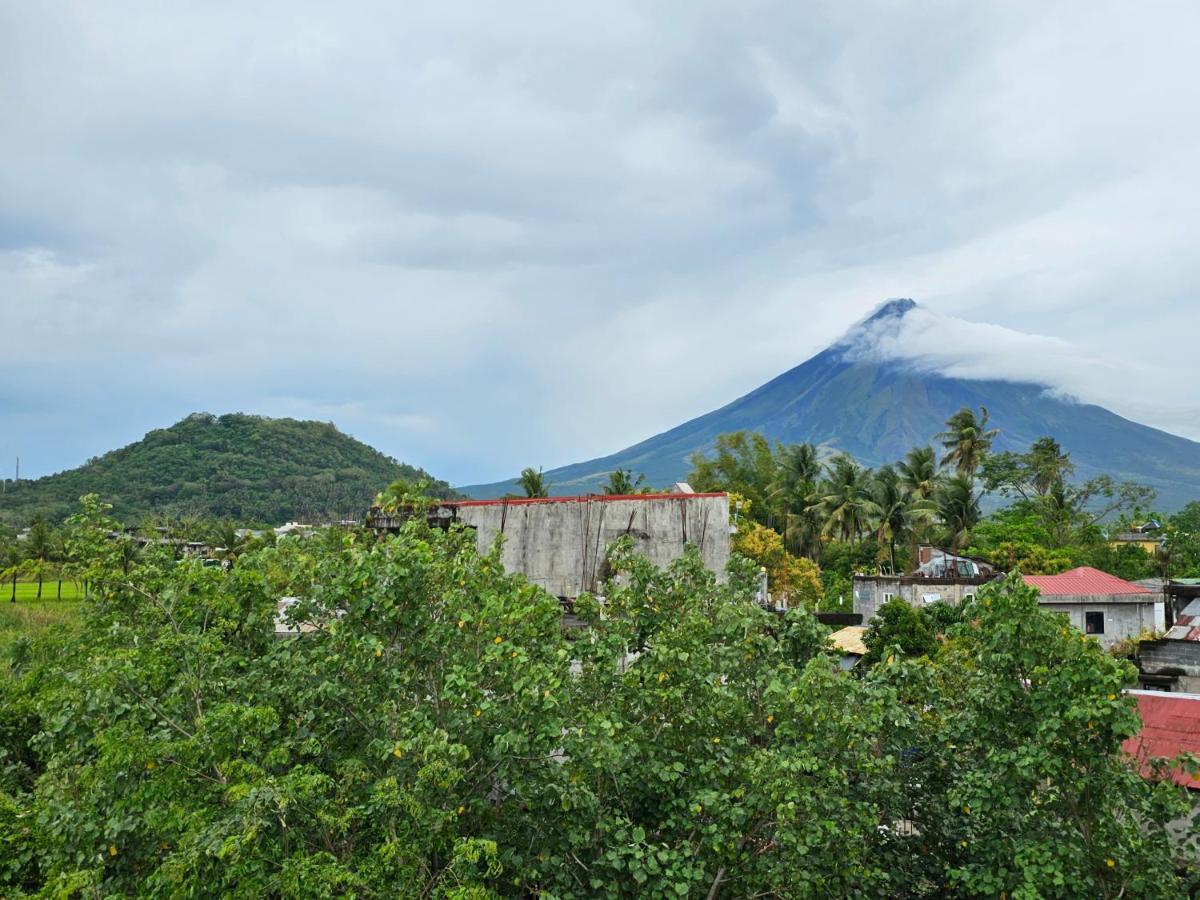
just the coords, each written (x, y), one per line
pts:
(589, 498)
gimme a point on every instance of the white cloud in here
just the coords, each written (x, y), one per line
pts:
(482, 236)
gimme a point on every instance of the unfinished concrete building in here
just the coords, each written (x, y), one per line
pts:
(560, 543)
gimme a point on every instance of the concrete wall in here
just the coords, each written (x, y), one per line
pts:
(1122, 619)
(1177, 658)
(559, 543)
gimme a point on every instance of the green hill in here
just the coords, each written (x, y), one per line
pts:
(248, 468)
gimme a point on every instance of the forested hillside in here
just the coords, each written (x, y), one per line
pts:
(248, 468)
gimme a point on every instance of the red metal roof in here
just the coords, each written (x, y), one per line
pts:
(1170, 726)
(1084, 580)
(589, 498)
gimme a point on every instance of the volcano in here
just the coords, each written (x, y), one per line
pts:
(846, 399)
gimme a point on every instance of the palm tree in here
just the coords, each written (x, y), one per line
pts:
(919, 475)
(958, 508)
(967, 440)
(793, 493)
(39, 550)
(846, 500)
(534, 483)
(622, 482)
(900, 508)
(229, 539)
(918, 472)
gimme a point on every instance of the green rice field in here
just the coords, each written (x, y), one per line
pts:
(27, 590)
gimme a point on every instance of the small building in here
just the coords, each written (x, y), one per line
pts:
(1101, 605)
(1146, 537)
(940, 577)
(561, 543)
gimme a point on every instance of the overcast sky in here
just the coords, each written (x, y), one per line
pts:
(481, 236)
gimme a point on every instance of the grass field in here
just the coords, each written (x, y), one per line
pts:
(30, 619)
(27, 590)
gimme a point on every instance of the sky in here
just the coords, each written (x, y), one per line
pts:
(481, 236)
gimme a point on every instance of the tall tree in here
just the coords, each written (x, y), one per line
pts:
(742, 462)
(797, 472)
(533, 482)
(918, 472)
(958, 509)
(846, 500)
(967, 440)
(39, 551)
(900, 509)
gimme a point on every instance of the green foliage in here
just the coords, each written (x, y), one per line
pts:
(437, 734)
(622, 482)
(897, 629)
(248, 468)
(967, 441)
(794, 578)
(534, 483)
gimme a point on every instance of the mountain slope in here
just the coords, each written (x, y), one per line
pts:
(877, 411)
(249, 468)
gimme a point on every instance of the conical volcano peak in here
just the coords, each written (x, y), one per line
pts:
(892, 309)
(885, 316)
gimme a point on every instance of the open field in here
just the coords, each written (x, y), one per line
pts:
(27, 590)
(31, 619)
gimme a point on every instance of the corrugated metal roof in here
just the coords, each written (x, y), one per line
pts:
(1170, 726)
(1187, 624)
(1084, 580)
(850, 640)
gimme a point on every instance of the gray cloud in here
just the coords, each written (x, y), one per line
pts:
(485, 236)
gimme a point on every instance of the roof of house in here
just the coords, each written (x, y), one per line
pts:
(850, 640)
(1084, 580)
(1187, 624)
(1170, 726)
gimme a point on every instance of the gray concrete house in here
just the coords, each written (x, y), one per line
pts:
(940, 577)
(560, 543)
(1101, 605)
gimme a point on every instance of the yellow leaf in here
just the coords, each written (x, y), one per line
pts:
(112, 850)
(498, 640)
(1110, 863)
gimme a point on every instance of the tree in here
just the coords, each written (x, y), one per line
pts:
(901, 510)
(437, 729)
(621, 482)
(742, 462)
(967, 440)
(958, 509)
(1044, 468)
(39, 551)
(794, 490)
(846, 501)
(794, 578)
(897, 628)
(1023, 745)
(918, 472)
(533, 483)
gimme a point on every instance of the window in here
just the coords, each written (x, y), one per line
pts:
(888, 595)
(1094, 623)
